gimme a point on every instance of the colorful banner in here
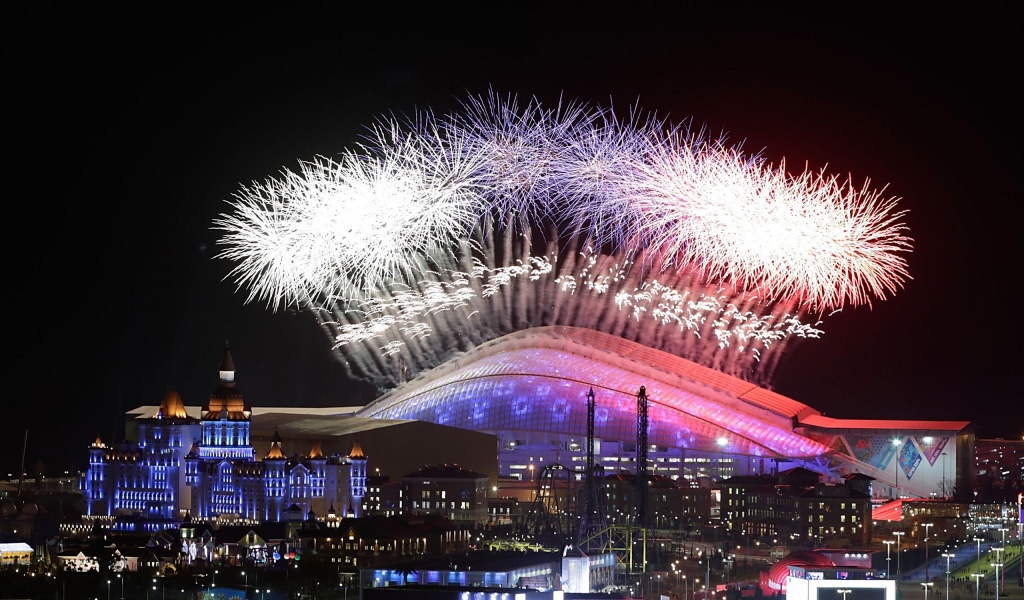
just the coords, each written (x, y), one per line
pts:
(931, 447)
(909, 459)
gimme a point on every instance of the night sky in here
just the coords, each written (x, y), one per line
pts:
(128, 132)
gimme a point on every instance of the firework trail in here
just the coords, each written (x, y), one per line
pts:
(442, 233)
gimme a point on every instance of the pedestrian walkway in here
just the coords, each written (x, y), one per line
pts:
(963, 585)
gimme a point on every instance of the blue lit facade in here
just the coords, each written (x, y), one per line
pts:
(207, 468)
(145, 478)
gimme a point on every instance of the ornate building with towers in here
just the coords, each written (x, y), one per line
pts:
(207, 468)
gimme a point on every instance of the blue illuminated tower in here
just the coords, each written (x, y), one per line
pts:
(223, 470)
(275, 480)
(94, 482)
(317, 471)
(357, 478)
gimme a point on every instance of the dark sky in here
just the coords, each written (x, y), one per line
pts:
(126, 134)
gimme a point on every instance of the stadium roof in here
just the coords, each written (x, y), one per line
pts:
(538, 379)
(884, 424)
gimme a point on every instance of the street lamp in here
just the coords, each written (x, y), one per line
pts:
(997, 566)
(896, 487)
(707, 582)
(927, 531)
(888, 565)
(998, 563)
(977, 585)
(978, 539)
(926, 585)
(947, 556)
(945, 493)
(844, 593)
(122, 585)
(899, 548)
(108, 589)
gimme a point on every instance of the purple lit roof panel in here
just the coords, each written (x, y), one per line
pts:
(542, 389)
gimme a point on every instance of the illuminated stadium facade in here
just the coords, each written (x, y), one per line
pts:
(530, 390)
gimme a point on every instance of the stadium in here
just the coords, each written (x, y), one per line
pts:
(530, 390)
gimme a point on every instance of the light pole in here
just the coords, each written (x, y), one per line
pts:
(977, 585)
(896, 487)
(108, 589)
(927, 532)
(945, 494)
(844, 593)
(122, 585)
(888, 565)
(947, 556)
(899, 548)
(926, 585)
(707, 582)
(978, 539)
(998, 563)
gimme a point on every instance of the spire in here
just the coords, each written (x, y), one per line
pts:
(171, 407)
(316, 452)
(275, 447)
(357, 451)
(226, 401)
(98, 443)
(227, 367)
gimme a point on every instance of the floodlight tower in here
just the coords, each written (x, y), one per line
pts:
(593, 522)
(642, 508)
